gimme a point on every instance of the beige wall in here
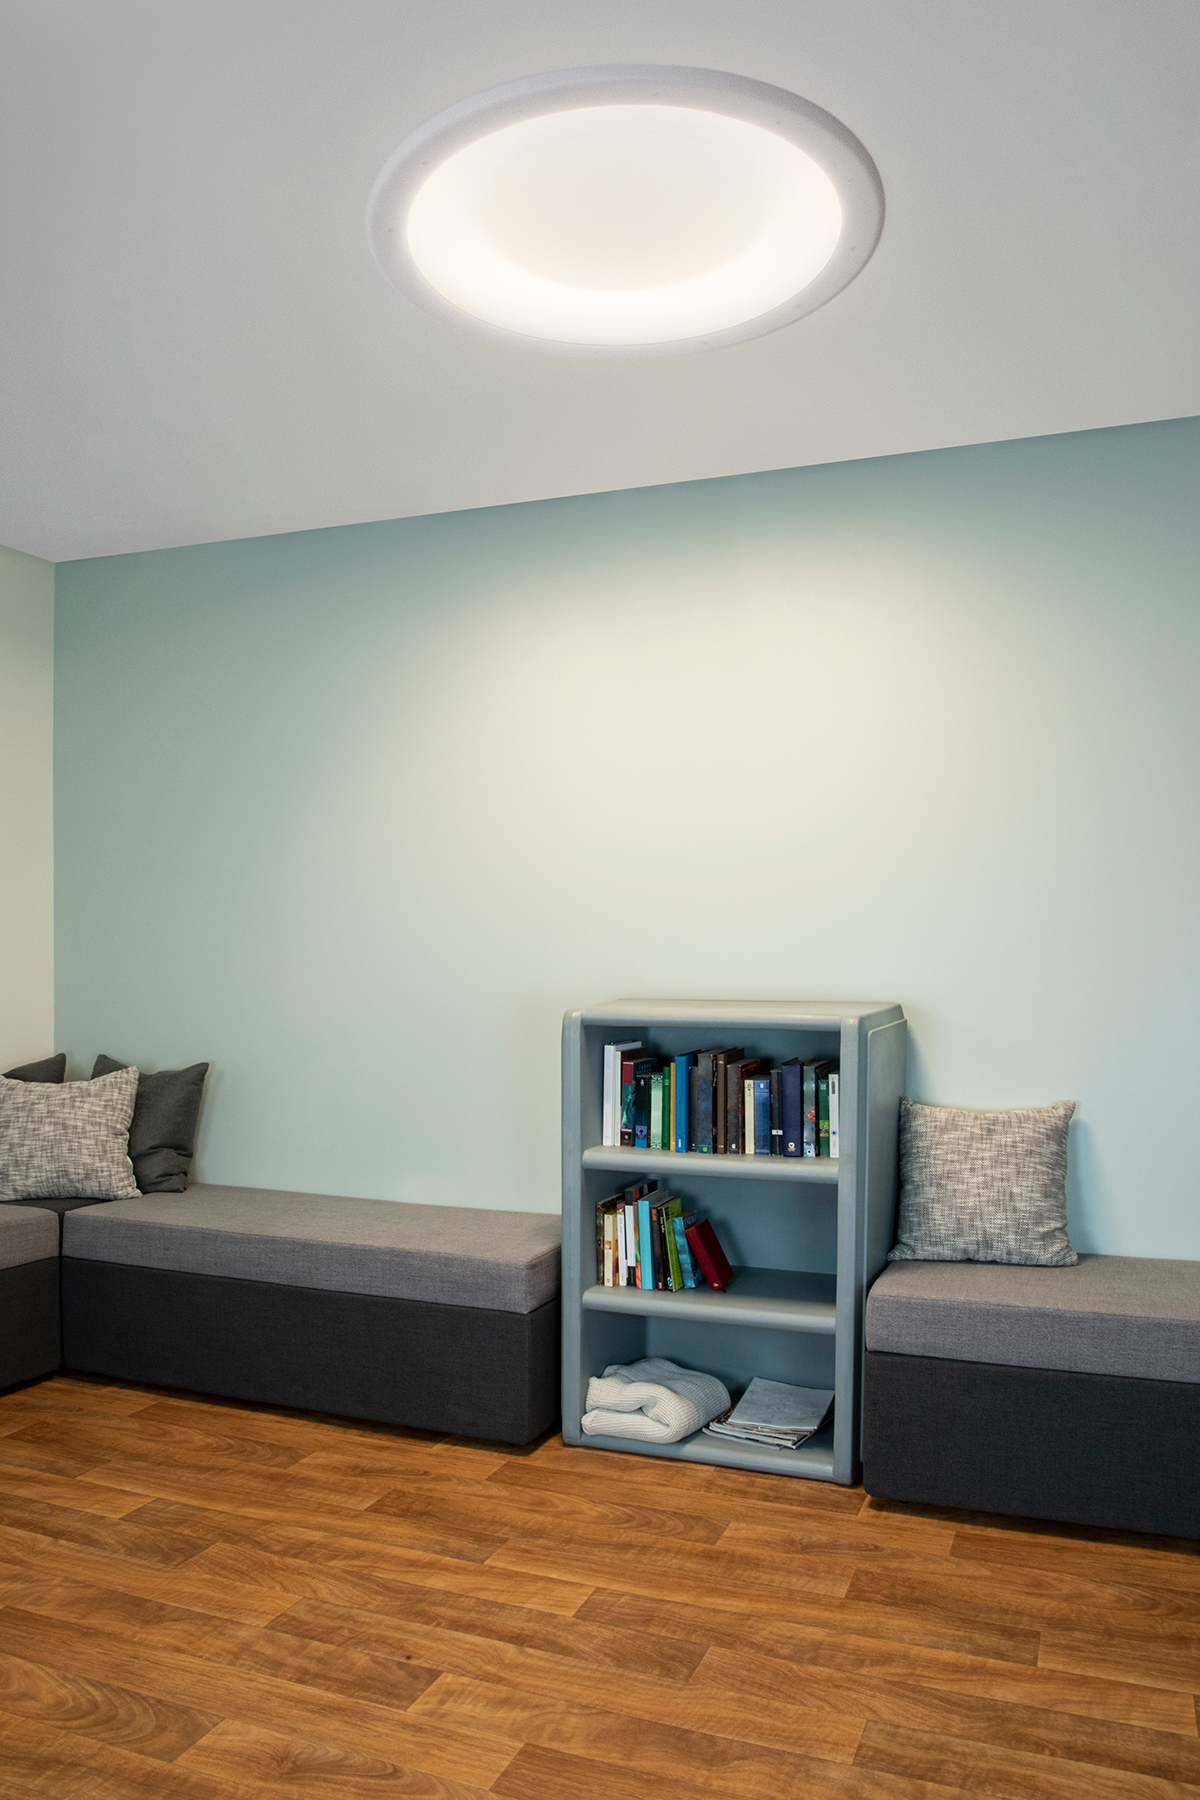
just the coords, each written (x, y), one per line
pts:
(26, 807)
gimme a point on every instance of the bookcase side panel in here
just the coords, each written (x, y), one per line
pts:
(578, 1254)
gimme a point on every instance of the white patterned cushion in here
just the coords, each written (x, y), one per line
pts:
(984, 1186)
(68, 1142)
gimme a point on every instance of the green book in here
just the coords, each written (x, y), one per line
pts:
(657, 1135)
(668, 1212)
(823, 1110)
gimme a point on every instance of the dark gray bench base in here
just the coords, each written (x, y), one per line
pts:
(30, 1337)
(455, 1369)
(1106, 1450)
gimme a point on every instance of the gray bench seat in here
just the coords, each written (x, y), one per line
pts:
(461, 1256)
(444, 1318)
(1069, 1394)
(1109, 1315)
(29, 1314)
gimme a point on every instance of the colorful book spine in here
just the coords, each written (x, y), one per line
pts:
(681, 1095)
(684, 1251)
(645, 1253)
(610, 1105)
(704, 1102)
(656, 1246)
(706, 1248)
(834, 1096)
(791, 1076)
(823, 1110)
(668, 1212)
(627, 1066)
(669, 1143)
(642, 1071)
(809, 1127)
(656, 1141)
(758, 1108)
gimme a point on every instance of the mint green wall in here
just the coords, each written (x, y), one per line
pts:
(357, 813)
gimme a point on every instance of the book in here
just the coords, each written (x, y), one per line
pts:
(668, 1212)
(643, 1068)
(691, 1277)
(812, 1072)
(656, 1139)
(758, 1109)
(774, 1412)
(748, 1114)
(704, 1102)
(626, 1139)
(645, 1253)
(610, 1106)
(656, 1246)
(605, 1216)
(791, 1079)
(712, 1260)
(685, 1067)
(823, 1110)
(721, 1061)
(736, 1072)
(669, 1143)
(834, 1088)
(776, 1080)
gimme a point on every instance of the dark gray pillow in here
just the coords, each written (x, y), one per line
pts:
(162, 1132)
(53, 1069)
(984, 1186)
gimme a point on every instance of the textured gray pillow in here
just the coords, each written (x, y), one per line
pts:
(984, 1186)
(67, 1142)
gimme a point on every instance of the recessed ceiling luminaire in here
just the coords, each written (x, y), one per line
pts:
(626, 211)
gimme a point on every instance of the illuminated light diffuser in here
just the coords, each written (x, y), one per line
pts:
(626, 211)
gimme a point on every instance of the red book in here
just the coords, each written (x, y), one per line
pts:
(706, 1248)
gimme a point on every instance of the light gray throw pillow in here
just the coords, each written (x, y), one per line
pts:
(68, 1142)
(984, 1186)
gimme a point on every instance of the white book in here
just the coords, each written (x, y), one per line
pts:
(833, 1112)
(610, 1100)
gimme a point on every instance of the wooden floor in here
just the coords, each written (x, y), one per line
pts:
(208, 1601)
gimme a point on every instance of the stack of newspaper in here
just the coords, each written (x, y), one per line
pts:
(772, 1412)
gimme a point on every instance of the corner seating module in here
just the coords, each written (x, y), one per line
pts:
(29, 1317)
(1069, 1394)
(440, 1317)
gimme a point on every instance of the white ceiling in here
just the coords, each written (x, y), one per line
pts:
(195, 343)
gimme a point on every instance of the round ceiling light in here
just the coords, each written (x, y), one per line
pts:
(626, 211)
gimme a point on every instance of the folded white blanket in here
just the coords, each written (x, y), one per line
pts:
(653, 1399)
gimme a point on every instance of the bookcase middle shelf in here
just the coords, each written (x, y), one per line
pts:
(665, 1163)
(781, 1299)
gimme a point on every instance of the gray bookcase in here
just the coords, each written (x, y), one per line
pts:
(806, 1236)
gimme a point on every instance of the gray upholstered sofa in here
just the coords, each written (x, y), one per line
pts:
(439, 1317)
(1069, 1394)
(29, 1315)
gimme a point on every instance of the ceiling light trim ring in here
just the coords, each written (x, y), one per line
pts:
(797, 121)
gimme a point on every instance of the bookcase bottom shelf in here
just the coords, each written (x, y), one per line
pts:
(813, 1459)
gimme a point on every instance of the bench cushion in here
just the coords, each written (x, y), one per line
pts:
(1109, 1315)
(27, 1235)
(459, 1256)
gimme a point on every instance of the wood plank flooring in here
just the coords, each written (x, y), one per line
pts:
(211, 1601)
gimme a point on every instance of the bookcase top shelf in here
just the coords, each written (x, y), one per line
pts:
(779, 1299)
(665, 1163)
(771, 1015)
